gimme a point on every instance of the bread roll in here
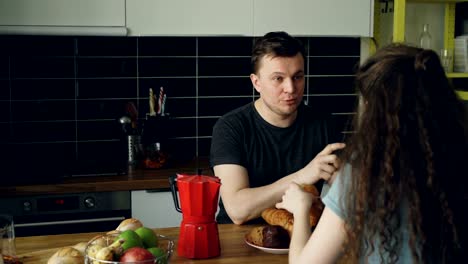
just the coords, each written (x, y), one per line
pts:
(130, 223)
(269, 236)
(66, 255)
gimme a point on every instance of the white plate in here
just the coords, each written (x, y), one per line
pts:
(280, 251)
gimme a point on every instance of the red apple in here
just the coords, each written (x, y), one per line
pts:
(136, 254)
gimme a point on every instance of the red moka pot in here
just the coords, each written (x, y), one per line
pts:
(198, 195)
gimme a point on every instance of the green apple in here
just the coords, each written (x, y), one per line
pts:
(132, 239)
(158, 253)
(148, 237)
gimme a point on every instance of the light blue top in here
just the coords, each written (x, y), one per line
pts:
(333, 198)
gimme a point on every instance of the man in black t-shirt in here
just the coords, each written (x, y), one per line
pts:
(257, 150)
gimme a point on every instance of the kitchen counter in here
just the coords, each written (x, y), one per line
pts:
(38, 249)
(136, 179)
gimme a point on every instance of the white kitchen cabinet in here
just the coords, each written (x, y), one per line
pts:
(189, 18)
(314, 17)
(62, 12)
(63, 17)
(155, 209)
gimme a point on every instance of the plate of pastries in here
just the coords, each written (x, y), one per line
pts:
(275, 236)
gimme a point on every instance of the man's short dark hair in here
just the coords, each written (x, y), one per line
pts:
(277, 44)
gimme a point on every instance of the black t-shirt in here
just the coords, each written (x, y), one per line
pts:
(269, 153)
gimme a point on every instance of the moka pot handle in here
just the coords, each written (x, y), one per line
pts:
(172, 184)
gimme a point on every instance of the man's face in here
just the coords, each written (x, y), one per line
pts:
(280, 82)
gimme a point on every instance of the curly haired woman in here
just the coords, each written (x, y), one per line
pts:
(400, 195)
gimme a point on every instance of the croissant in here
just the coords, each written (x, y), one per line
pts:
(279, 217)
(285, 219)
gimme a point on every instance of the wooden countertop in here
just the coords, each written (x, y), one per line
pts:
(38, 249)
(136, 179)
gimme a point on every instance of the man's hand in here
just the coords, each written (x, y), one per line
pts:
(323, 166)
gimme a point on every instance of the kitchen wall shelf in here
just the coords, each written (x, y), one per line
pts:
(457, 75)
(463, 95)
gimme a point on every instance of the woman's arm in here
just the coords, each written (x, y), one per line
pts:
(325, 244)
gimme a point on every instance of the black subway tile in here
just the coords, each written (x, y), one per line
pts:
(107, 46)
(4, 89)
(225, 46)
(42, 67)
(183, 149)
(183, 127)
(101, 109)
(5, 135)
(230, 86)
(224, 66)
(166, 46)
(333, 65)
(166, 67)
(220, 106)
(42, 46)
(99, 130)
(43, 110)
(331, 85)
(107, 88)
(181, 107)
(204, 146)
(106, 67)
(205, 126)
(5, 110)
(4, 67)
(96, 157)
(333, 104)
(39, 89)
(334, 46)
(43, 131)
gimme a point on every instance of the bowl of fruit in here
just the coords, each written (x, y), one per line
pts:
(139, 246)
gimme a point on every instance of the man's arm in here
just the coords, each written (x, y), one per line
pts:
(243, 203)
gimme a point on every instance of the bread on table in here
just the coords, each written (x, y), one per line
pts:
(285, 219)
(279, 217)
(269, 236)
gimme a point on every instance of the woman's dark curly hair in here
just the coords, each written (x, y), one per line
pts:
(409, 147)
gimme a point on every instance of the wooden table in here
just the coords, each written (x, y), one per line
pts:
(38, 249)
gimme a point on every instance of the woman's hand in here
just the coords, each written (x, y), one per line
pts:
(295, 200)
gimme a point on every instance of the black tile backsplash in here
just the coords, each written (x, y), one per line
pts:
(42, 67)
(228, 86)
(92, 67)
(167, 46)
(43, 89)
(213, 46)
(63, 96)
(167, 67)
(223, 66)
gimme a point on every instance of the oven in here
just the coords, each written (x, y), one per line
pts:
(67, 213)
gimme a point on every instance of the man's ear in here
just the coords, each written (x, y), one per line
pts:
(255, 82)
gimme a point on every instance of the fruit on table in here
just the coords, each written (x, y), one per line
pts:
(131, 238)
(158, 253)
(108, 253)
(136, 254)
(148, 237)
